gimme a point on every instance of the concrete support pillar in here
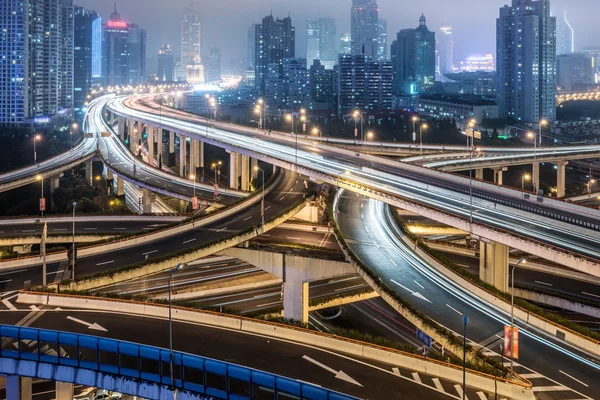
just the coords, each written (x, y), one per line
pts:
(88, 172)
(158, 136)
(120, 186)
(479, 174)
(122, 128)
(253, 171)
(132, 134)
(54, 184)
(150, 131)
(535, 179)
(171, 161)
(493, 264)
(295, 301)
(130, 129)
(561, 180)
(147, 198)
(200, 154)
(18, 388)
(64, 391)
(499, 175)
(192, 159)
(245, 173)
(234, 169)
(182, 155)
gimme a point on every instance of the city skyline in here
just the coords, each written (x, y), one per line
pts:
(233, 45)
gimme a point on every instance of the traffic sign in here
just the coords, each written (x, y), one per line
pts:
(194, 203)
(424, 338)
(42, 204)
(511, 337)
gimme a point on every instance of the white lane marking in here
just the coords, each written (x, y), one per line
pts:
(338, 374)
(463, 265)
(482, 396)
(247, 218)
(421, 286)
(282, 197)
(416, 377)
(57, 230)
(460, 391)
(575, 379)
(9, 305)
(396, 372)
(268, 304)
(531, 375)
(376, 244)
(6, 281)
(454, 309)
(55, 272)
(266, 208)
(34, 308)
(367, 229)
(589, 294)
(349, 287)
(149, 252)
(90, 229)
(13, 272)
(92, 326)
(438, 385)
(221, 230)
(305, 185)
(392, 261)
(544, 283)
(106, 262)
(189, 241)
(361, 216)
(119, 229)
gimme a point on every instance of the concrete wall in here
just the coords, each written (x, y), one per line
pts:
(558, 302)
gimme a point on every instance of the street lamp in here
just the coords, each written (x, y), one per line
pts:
(290, 117)
(262, 201)
(35, 139)
(532, 135)
(74, 125)
(423, 126)
(471, 151)
(512, 313)
(316, 131)
(193, 178)
(73, 245)
(414, 120)
(524, 178)
(355, 114)
(41, 179)
(370, 135)
(177, 268)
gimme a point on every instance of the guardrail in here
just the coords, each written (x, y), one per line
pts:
(191, 373)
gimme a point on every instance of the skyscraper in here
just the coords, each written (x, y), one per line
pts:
(323, 87)
(413, 59)
(87, 55)
(445, 52)
(213, 66)
(565, 35)
(575, 71)
(124, 52)
(190, 38)
(346, 43)
(365, 28)
(382, 40)
(166, 64)
(526, 61)
(320, 41)
(364, 84)
(251, 46)
(275, 41)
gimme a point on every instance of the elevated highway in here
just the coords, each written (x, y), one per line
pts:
(561, 232)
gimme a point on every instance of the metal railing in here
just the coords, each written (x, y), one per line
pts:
(191, 373)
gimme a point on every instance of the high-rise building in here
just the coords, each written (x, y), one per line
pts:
(565, 35)
(594, 52)
(190, 39)
(124, 52)
(477, 63)
(36, 60)
(526, 61)
(166, 64)
(287, 85)
(575, 71)
(413, 59)
(365, 28)
(251, 46)
(195, 71)
(320, 41)
(275, 41)
(444, 53)
(323, 87)
(382, 40)
(212, 71)
(346, 43)
(87, 56)
(364, 84)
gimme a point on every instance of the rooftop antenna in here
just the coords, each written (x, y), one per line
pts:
(115, 6)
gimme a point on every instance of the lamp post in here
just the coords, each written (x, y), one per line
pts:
(262, 200)
(355, 115)
(74, 125)
(41, 179)
(423, 126)
(524, 178)
(414, 121)
(193, 178)
(471, 150)
(512, 309)
(35, 139)
(73, 245)
(177, 268)
(303, 119)
(465, 321)
(370, 135)
(533, 136)
(290, 117)
(316, 131)
(262, 107)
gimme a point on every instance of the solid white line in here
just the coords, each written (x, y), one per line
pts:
(392, 261)
(454, 309)
(13, 272)
(266, 208)
(376, 244)
(104, 263)
(221, 230)
(349, 287)
(576, 380)
(268, 304)
(55, 272)
(248, 218)
(531, 375)
(459, 391)
(438, 384)
(544, 283)
(549, 388)
(589, 294)
(6, 281)
(9, 305)
(149, 252)
(421, 286)
(189, 241)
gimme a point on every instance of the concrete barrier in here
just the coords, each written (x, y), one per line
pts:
(558, 302)
(340, 301)
(516, 390)
(17, 241)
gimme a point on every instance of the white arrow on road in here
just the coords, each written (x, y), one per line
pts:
(338, 374)
(93, 326)
(416, 294)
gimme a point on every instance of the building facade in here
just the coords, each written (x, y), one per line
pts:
(475, 83)
(364, 84)
(594, 52)
(166, 64)
(212, 71)
(382, 40)
(275, 41)
(444, 50)
(526, 61)
(320, 41)
(323, 87)
(413, 59)
(365, 28)
(87, 55)
(565, 35)
(191, 41)
(458, 108)
(575, 72)
(346, 44)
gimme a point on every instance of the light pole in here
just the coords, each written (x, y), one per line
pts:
(316, 131)
(290, 118)
(524, 178)
(370, 135)
(262, 200)
(41, 179)
(465, 321)
(471, 150)
(534, 166)
(423, 126)
(74, 125)
(35, 139)
(512, 313)
(414, 120)
(177, 268)
(73, 245)
(355, 115)
(303, 119)
(261, 107)
(193, 178)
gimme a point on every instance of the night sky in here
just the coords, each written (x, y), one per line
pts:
(225, 22)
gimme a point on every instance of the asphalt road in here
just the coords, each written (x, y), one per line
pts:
(362, 222)
(287, 193)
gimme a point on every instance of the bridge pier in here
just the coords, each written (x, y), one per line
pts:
(158, 135)
(479, 174)
(147, 198)
(245, 173)
(89, 172)
(19, 388)
(234, 168)
(133, 140)
(561, 178)
(182, 155)
(122, 128)
(54, 184)
(171, 161)
(535, 176)
(150, 134)
(199, 157)
(499, 175)
(120, 186)
(493, 264)
(64, 391)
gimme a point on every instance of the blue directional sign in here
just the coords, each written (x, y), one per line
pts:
(424, 338)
